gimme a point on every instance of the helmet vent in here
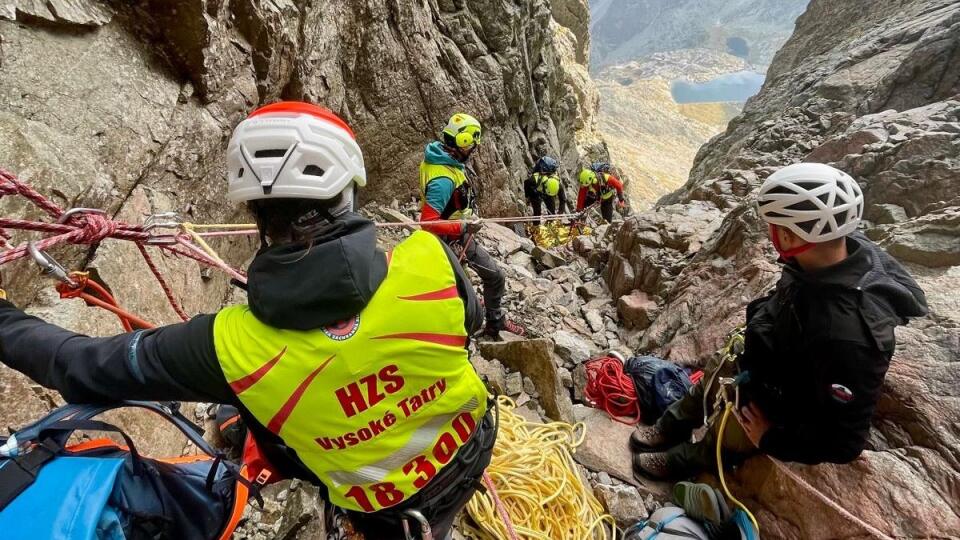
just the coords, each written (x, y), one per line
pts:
(313, 170)
(275, 153)
(808, 186)
(808, 225)
(841, 218)
(240, 173)
(802, 205)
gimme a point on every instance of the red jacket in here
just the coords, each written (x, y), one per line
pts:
(612, 182)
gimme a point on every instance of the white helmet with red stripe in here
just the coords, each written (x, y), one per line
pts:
(292, 150)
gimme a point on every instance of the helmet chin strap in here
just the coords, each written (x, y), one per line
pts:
(789, 253)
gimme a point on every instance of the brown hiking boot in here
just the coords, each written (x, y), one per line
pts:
(646, 438)
(652, 465)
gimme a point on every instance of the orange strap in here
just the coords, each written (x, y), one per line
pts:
(95, 294)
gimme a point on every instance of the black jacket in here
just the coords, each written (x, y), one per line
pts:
(818, 348)
(534, 196)
(292, 286)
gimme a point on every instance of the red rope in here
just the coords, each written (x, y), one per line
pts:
(498, 504)
(91, 228)
(612, 390)
(163, 283)
(94, 294)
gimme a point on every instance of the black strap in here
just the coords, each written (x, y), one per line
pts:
(69, 426)
(19, 473)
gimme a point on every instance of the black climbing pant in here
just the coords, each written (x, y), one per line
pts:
(494, 282)
(686, 415)
(606, 206)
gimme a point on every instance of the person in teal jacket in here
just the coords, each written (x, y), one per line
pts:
(447, 194)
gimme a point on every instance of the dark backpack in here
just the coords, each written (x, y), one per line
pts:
(658, 383)
(99, 489)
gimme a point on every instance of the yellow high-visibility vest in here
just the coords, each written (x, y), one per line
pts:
(374, 406)
(430, 171)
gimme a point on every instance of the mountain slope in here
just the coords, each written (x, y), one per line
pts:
(628, 29)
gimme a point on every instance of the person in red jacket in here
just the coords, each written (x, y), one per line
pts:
(597, 184)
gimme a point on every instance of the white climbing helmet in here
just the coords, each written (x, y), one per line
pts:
(292, 149)
(816, 202)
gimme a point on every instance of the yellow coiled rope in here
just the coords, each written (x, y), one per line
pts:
(539, 484)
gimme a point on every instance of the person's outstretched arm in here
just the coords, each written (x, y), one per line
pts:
(438, 194)
(616, 184)
(170, 363)
(581, 198)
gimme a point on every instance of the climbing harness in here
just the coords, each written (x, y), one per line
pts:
(609, 388)
(725, 404)
(425, 532)
(552, 504)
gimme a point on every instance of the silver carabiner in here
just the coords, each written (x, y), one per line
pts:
(49, 266)
(162, 220)
(66, 215)
(426, 533)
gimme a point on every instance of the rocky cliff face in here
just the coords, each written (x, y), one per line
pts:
(871, 88)
(127, 106)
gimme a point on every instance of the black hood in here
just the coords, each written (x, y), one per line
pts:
(889, 295)
(309, 285)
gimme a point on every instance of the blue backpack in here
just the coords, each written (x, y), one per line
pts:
(658, 383)
(99, 489)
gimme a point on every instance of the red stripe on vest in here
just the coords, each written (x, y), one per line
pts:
(246, 382)
(440, 339)
(276, 423)
(442, 294)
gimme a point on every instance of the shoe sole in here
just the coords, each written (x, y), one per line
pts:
(637, 447)
(641, 474)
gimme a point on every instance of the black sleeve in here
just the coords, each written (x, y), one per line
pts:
(562, 197)
(474, 311)
(529, 188)
(171, 363)
(848, 379)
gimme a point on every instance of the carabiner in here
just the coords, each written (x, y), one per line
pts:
(66, 215)
(162, 220)
(49, 266)
(426, 533)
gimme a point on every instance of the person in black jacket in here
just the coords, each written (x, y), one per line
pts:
(297, 166)
(816, 348)
(544, 187)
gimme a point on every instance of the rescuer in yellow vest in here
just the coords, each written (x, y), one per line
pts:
(348, 365)
(544, 187)
(446, 193)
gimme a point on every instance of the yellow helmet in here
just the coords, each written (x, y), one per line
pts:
(587, 177)
(550, 186)
(462, 131)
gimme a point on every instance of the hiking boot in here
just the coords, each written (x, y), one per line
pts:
(514, 328)
(647, 438)
(652, 465)
(494, 326)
